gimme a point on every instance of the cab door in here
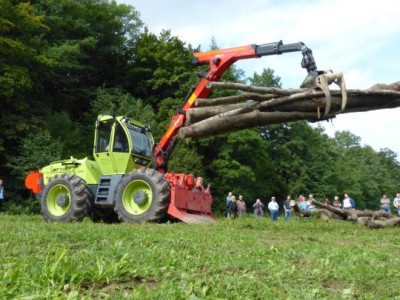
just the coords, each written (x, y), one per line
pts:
(102, 147)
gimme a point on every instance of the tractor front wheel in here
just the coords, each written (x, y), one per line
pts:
(142, 196)
(65, 199)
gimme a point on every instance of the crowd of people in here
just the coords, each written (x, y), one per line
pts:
(238, 208)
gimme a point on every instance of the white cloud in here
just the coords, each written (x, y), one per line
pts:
(361, 38)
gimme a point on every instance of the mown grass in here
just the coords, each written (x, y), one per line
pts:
(236, 259)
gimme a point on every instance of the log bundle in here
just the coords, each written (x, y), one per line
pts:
(253, 106)
(368, 218)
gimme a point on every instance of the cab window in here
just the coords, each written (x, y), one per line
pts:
(103, 135)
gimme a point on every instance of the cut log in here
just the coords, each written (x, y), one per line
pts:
(201, 102)
(255, 118)
(287, 105)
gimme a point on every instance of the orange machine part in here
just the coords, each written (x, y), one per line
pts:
(33, 182)
(189, 203)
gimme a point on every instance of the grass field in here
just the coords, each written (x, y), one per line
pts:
(236, 259)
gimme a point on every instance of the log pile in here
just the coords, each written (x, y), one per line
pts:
(258, 106)
(368, 218)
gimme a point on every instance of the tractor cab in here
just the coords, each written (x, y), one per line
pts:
(121, 145)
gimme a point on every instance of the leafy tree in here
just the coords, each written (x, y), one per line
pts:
(118, 102)
(266, 78)
(91, 42)
(363, 173)
(36, 151)
(22, 58)
(161, 69)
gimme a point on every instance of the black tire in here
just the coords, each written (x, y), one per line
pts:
(142, 196)
(65, 199)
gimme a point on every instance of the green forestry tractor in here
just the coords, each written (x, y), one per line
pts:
(128, 178)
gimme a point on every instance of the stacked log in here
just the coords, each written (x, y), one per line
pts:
(369, 218)
(259, 106)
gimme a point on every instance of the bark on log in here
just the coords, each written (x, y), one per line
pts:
(252, 88)
(201, 102)
(242, 121)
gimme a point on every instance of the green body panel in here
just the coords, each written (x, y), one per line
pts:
(85, 168)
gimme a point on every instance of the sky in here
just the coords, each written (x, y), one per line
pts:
(360, 38)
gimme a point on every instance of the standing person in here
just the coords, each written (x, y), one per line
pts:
(273, 207)
(348, 202)
(1, 192)
(326, 201)
(336, 202)
(302, 203)
(258, 208)
(288, 208)
(241, 205)
(396, 203)
(228, 200)
(233, 208)
(310, 204)
(385, 204)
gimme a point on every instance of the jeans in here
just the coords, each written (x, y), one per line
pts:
(274, 215)
(288, 214)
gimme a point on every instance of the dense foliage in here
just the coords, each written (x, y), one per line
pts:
(63, 62)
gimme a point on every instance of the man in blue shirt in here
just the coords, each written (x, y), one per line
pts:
(228, 202)
(1, 192)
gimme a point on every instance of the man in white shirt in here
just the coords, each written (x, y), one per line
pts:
(273, 207)
(348, 203)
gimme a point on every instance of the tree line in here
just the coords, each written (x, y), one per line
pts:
(64, 62)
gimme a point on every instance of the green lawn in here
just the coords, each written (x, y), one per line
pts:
(237, 259)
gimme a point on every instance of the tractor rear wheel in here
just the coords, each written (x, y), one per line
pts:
(66, 198)
(142, 196)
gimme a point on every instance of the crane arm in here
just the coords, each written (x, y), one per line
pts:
(219, 61)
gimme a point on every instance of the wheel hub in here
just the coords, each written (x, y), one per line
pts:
(62, 200)
(140, 198)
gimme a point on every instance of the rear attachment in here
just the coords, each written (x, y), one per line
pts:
(190, 201)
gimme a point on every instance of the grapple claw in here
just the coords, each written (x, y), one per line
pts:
(322, 81)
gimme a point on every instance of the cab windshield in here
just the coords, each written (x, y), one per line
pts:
(140, 141)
